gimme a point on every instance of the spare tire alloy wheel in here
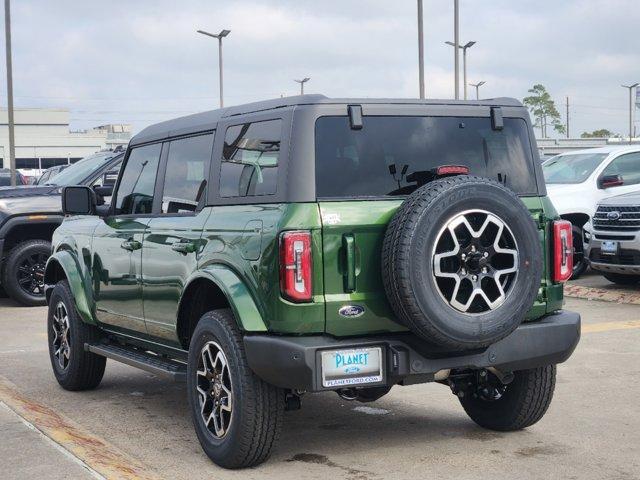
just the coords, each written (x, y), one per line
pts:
(478, 273)
(215, 392)
(61, 341)
(462, 262)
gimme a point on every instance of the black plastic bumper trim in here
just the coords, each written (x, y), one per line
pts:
(294, 362)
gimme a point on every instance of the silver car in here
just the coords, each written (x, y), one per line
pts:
(612, 239)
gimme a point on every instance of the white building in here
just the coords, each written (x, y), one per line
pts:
(43, 138)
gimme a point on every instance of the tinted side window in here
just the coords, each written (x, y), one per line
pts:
(627, 166)
(135, 193)
(187, 168)
(250, 159)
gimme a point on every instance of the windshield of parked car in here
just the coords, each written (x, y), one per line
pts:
(574, 168)
(79, 171)
(395, 155)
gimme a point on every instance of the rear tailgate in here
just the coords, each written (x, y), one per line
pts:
(355, 229)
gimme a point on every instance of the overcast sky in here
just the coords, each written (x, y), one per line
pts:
(141, 61)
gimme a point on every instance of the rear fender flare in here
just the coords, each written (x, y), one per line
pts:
(240, 299)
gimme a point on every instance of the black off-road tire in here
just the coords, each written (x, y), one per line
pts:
(407, 262)
(524, 402)
(10, 271)
(258, 407)
(620, 279)
(84, 370)
(580, 263)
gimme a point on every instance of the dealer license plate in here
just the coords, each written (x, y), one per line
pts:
(609, 247)
(351, 367)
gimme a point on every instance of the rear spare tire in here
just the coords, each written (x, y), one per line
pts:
(462, 262)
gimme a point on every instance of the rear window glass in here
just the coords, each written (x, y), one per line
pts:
(395, 155)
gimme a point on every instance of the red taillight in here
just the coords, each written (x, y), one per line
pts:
(295, 266)
(444, 170)
(562, 251)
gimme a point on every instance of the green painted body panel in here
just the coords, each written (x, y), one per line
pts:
(242, 304)
(165, 272)
(230, 237)
(117, 272)
(365, 223)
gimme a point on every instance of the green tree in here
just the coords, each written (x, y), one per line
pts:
(544, 110)
(602, 133)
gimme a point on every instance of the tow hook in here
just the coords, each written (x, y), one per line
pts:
(478, 382)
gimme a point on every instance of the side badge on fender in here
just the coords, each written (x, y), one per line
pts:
(351, 311)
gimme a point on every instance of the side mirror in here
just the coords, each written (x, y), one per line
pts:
(608, 181)
(104, 190)
(78, 200)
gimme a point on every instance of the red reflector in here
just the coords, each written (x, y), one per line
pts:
(295, 266)
(452, 170)
(562, 251)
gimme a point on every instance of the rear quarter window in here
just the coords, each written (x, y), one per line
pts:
(394, 155)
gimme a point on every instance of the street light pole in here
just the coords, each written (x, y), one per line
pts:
(456, 40)
(219, 36)
(631, 87)
(420, 49)
(10, 119)
(478, 85)
(464, 61)
(302, 82)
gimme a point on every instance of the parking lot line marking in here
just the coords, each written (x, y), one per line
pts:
(98, 455)
(609, 326)
(63, 451)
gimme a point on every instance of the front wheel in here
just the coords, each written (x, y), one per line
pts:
(73, 367)
(236, 415)
(515, 406)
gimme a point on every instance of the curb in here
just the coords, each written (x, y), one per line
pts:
(602, 295)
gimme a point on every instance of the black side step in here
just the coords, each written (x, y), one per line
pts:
(162, 367)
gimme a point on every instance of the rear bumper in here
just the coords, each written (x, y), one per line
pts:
(294, 362)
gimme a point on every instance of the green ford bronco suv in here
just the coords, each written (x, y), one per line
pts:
(308, 244)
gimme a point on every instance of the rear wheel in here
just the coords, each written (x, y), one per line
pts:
(73, 368)
(236, 415)
(23, 272)
(621, 279)
(515, 406)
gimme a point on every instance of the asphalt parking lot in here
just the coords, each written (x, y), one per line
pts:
(137, 426)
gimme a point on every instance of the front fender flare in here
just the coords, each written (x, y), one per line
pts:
(80, 287)
(242, 304)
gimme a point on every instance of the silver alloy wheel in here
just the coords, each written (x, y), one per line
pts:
(60, 325)
(215, 391)
(475, 261)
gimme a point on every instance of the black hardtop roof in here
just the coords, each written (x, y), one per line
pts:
(199, 122)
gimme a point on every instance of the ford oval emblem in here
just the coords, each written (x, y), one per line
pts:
(613, 215)
(351, 311)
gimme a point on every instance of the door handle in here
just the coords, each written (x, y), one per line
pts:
(349, 246)
(131, 245)
(183, 246)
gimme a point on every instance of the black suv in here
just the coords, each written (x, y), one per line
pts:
(28, 216)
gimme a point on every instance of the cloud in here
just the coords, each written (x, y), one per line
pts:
(142, 62)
